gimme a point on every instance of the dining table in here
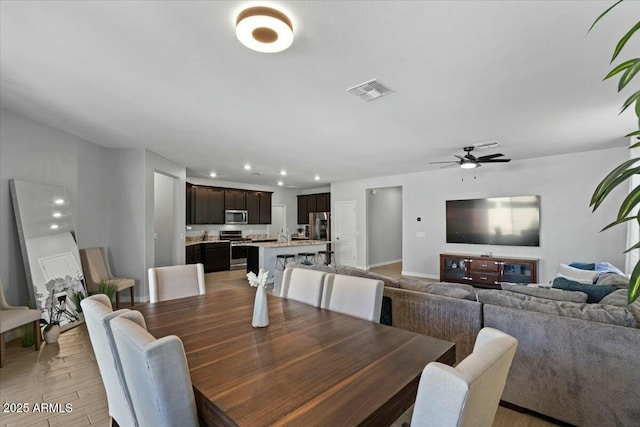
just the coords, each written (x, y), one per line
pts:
(308, 367)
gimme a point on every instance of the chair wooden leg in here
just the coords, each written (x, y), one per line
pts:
(117, 300)
(36, 333)
(2, 350)
(131, 288)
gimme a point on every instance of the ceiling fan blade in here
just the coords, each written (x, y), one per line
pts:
(450, 161)
(448, 166)
(460, 157)
(489, 156)
(471, 157)
(496, 161)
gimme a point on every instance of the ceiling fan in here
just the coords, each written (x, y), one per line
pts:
(469, 161)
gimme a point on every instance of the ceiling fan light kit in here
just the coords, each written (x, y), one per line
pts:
(264, 29)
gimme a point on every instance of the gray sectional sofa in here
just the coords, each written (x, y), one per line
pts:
(576, 362)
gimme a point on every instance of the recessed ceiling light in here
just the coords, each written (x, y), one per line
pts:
(54, 226)
(264, 29)
(283, 172)
(213, 174)
(57, 215)
(59, 201)
(280, 183)
(317, 177)
(247, 167)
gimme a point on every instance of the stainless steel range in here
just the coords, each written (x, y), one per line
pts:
(238, 248)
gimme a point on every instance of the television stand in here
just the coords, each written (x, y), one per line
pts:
(487, 272)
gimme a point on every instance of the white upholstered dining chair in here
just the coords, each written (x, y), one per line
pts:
(355, 296)
(176, 281)
(12, 317)
(97, 314)
(467, 395)
(157, 376)
(303, 284)
(95, 265)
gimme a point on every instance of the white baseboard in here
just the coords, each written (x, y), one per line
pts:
(426, 276)
(380, 264)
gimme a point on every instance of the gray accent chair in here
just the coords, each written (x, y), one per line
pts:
(12, 317)
(95, 265)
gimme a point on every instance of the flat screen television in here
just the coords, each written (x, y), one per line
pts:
(511, 221)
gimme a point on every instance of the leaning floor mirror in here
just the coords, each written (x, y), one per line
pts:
(49, 251)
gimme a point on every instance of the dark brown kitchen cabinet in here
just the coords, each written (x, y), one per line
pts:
(189, 208)
(208, 205)
(217, 257)
(303, 213)
(308, 203)
(259, 207)
(193, 254)
(235, 199)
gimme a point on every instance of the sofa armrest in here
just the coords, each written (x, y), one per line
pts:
(450, 319)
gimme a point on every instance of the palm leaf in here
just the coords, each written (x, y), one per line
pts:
(624, 41)
(620, 221)
(610, 181)
(634, 133)
(621, 67)
(603, 13)
(634, 284)
(636, 246)
(633, 98)
(629, 74)
(631, 201)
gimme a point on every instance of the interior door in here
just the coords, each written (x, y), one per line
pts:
(345, 233)
(278, 221)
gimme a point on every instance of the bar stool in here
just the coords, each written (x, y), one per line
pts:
(327, 257)
(306, 257)
(282, 260)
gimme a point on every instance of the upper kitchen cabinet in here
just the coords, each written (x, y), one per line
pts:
(208, 205)
(308, 203)
(259, 207)
(235, 199)
(189, 207)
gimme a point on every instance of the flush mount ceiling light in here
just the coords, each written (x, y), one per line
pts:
(213, 174)
(247, 167)
(264, 29)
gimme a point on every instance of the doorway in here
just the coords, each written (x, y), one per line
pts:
(278, 221)
(384, 226)
(345, 233)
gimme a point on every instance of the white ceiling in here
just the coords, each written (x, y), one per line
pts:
(171, 77)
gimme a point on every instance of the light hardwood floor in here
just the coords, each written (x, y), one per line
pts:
(67, 372)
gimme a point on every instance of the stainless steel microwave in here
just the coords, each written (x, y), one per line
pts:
(236, 217)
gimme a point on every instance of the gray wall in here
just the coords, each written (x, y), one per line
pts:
(111, 191)
(384, 225)
(163, 219)
(569, 231)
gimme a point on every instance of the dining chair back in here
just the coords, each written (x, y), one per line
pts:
(467, 395)
(98, 314)
(95, 265)
(355, 296)
(176, 281)
(303, 284)
(12, 317)
(157, 376)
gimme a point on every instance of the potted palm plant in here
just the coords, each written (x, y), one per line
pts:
(624, 172)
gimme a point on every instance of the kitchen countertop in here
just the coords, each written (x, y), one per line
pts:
(286, 244)
(197, 242)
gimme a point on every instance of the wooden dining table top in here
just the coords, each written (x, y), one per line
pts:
(308, 367)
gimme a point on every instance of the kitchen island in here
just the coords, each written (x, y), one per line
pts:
(263, 255)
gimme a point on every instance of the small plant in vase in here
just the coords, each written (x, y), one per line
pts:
(108, 288)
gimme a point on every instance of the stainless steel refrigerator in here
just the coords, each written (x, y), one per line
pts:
(320, 226)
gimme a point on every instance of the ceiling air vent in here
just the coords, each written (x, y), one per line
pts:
(486, 144)
(368, 91)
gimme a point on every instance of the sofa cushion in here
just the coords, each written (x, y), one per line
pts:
(613, 279)
(547, 293)
(453, 290)
(577, 274)
(584, 265)
(618, 298)
(358, 272)
(594, 292)
(594, 312)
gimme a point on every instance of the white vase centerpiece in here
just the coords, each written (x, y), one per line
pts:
(260, 308)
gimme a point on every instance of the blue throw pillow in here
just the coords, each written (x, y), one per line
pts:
(584, 265)
(594, 292)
